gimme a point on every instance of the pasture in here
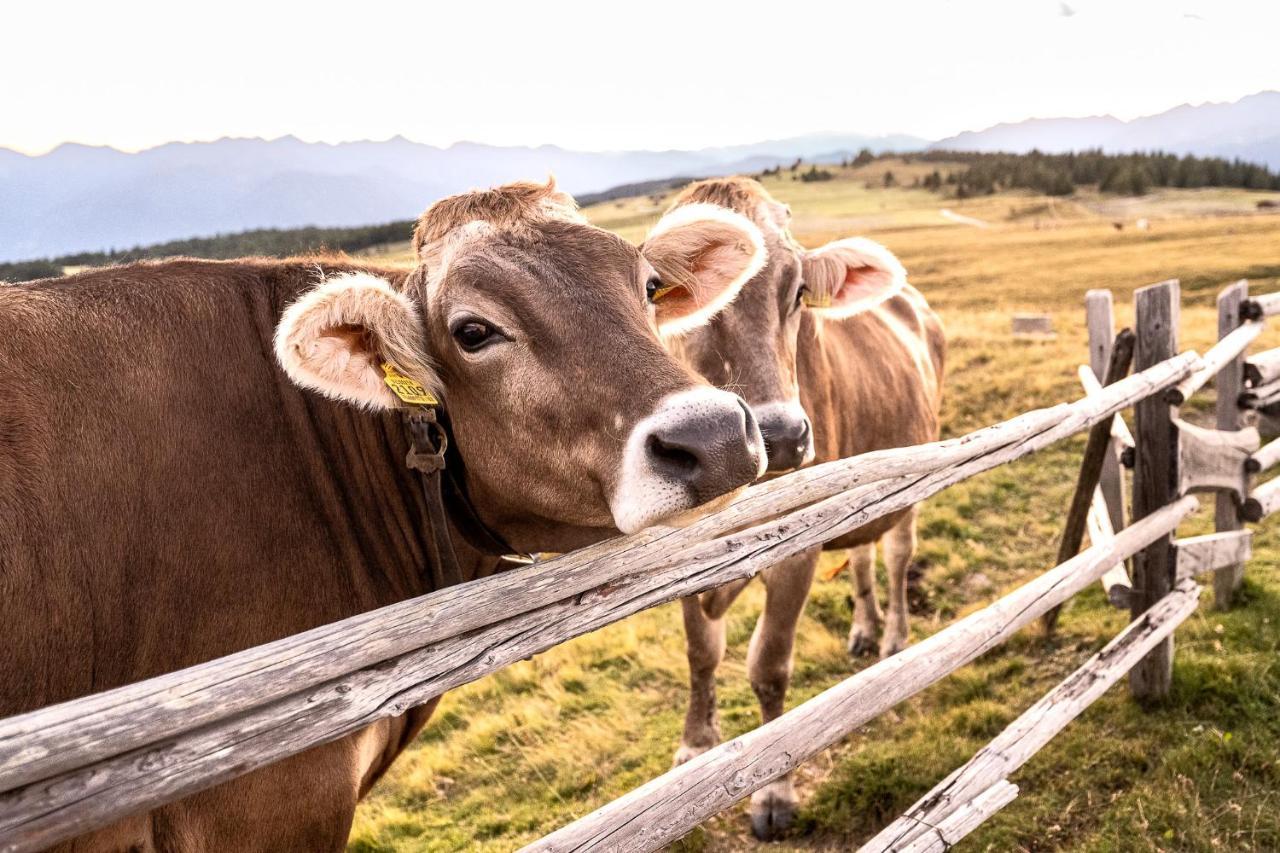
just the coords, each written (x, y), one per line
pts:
(514, 756)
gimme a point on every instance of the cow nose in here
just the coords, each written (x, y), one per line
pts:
(788, 437)
(698, 445)
(712, 448)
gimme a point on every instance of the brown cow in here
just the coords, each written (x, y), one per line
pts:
(857, 370)
(168, 495)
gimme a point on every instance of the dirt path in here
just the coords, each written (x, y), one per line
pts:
(962, 219)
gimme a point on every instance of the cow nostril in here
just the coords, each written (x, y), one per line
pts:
(676, 458)
(786, 439)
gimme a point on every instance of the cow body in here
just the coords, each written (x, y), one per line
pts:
(179, 500)
(871, 382)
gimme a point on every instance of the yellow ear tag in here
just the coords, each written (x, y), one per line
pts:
(663, 291)
(408, 390)
(820, 300)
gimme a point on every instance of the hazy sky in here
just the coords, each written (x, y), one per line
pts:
(599, 74)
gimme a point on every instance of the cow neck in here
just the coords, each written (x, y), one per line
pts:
(448, 506)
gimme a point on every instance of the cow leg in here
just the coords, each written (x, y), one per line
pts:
(704, 644)
(866, 610)
(769, 665)
(899, 547)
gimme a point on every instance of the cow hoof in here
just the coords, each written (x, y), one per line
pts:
(687, 752)
(861, 643)
(771, 814)
(890, 646)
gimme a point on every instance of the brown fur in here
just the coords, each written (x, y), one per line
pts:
(511, 206)
(863, 391)
(168, 496)
(738, 194)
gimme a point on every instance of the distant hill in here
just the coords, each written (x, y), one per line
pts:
(1248, 129)
(84, 198)
(80, 198)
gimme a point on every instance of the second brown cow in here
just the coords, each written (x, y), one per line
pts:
(836, 355)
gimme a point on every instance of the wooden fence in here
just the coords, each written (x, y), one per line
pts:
(82, 764)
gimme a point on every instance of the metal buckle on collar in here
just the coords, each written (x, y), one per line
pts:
(430, 442)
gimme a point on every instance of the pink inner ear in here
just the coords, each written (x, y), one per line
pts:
(863, 283)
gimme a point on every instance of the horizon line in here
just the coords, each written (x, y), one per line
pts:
(534, 146)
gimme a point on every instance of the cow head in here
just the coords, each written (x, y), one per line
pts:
(540, 334)
(750, 347)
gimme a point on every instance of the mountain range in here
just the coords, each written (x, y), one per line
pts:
(84, 198)
(79, 198)
(1248, 129)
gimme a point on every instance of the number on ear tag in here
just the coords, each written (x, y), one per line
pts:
(408, 390)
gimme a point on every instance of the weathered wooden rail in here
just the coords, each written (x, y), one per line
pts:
(1172, 458)
(82, 764)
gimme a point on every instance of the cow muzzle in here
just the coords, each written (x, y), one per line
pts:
(694, 453)
(788, 435)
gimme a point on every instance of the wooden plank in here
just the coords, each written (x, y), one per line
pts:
(1262, 368)
(47, 741)
(1265, 305)
(1260, 397)
(1100, 319)
(1226, 351)
(1097, 450)
(1229, 384)
(1263, 501)
(1116, 581)
(1155, 477)
(1032, 325)
(1214, 460)
(205, 743)
(1264, 458)
(1210, 552)
(965, 819)
(1033, 730)
(1119, 429)
(665, 808)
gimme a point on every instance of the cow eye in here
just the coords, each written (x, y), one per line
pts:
(474, 335)
(801, 292)
(652, 287)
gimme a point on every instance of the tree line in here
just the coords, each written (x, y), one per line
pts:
(270, 242)
(1060, 174)
(275, 242)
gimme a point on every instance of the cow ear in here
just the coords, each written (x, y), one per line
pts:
(703, 254)
(336, 338)
(850, 276)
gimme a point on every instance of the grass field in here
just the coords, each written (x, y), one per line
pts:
(514, 756)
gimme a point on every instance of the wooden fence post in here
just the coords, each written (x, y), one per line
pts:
(1155, 477)
(1097, 450)
(1100, 319)
(1229, 383)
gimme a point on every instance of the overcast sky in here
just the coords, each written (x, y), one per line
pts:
(602, 75)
